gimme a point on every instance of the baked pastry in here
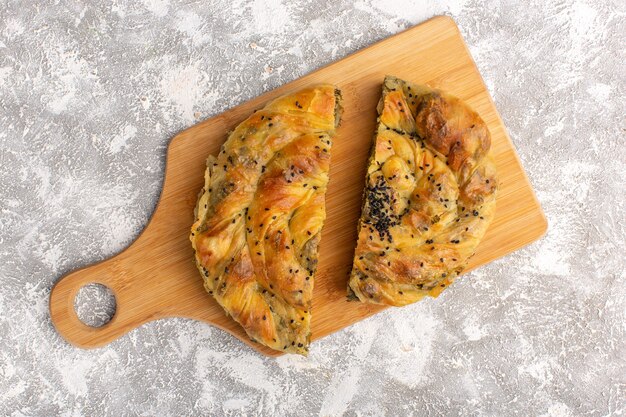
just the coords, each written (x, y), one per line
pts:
(430, 195)
(260, 214)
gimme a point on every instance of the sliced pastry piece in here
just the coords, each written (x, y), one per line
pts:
(429, 197)
(260, 214)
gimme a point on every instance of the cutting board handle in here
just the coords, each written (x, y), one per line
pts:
(109, 273)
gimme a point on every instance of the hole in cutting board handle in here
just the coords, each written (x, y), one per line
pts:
(95, 305)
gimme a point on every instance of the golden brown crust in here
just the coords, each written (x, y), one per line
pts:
(260, 214)
(429, 196)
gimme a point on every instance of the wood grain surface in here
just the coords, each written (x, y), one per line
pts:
(155, 277)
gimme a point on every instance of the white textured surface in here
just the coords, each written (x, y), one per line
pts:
(92, 91)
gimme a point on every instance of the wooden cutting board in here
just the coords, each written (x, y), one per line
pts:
(156, 277)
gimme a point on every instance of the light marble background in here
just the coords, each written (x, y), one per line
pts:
(92, 91)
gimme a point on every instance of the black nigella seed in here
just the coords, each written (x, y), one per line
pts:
(264, 318)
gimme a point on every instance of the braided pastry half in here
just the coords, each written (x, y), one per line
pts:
(260, 214)
(429, 197)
